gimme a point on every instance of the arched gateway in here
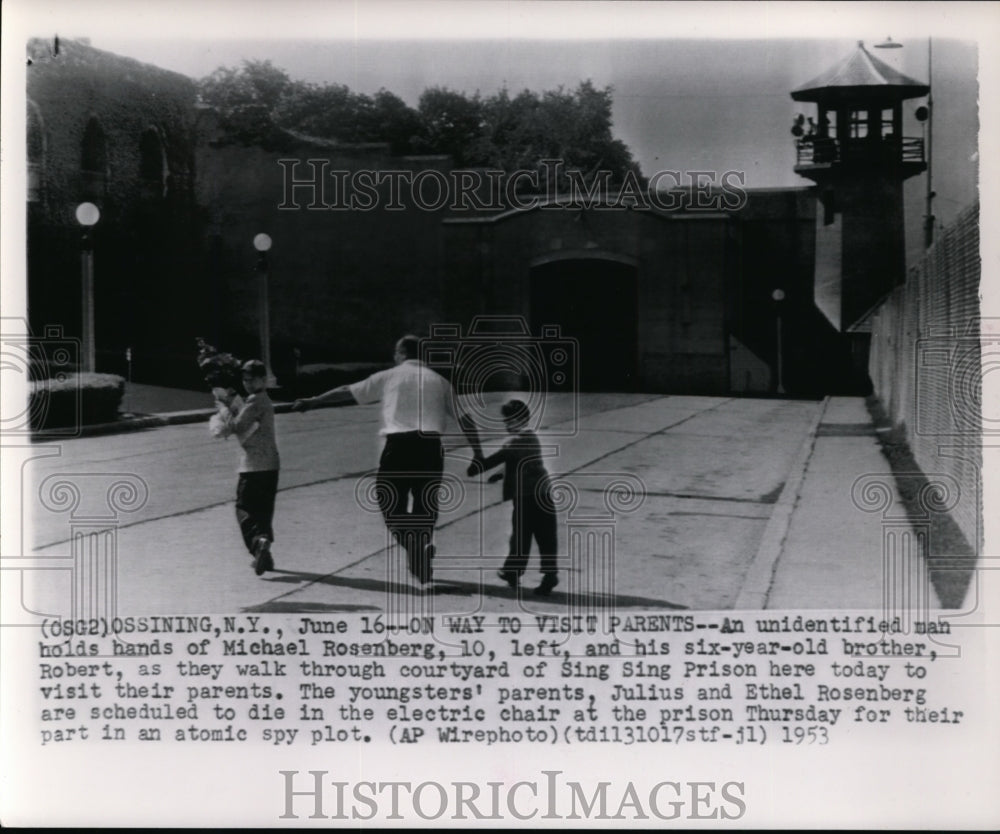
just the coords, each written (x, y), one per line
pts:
(594, 301)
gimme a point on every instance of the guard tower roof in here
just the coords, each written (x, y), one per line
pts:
(860, 76)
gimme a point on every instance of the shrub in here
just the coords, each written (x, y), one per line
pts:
(75, 399)
(44, 367)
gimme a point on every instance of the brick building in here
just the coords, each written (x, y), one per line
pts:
(120, 134)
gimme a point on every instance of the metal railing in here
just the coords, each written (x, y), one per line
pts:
(820, 150)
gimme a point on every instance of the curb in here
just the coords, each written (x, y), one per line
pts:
(760, 576)
(139, 423)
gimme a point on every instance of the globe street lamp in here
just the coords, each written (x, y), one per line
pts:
(778, 296)
(87, 214)
(262, 243)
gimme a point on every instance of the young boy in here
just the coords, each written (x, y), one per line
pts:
(526, 484)
(253, 425)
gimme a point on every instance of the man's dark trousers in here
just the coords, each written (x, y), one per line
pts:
(409, 477)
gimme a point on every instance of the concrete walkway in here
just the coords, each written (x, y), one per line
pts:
(793, 525)
(845, 541)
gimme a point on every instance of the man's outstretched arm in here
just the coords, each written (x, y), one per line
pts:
(333, 398)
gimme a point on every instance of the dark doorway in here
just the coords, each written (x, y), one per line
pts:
(595, 302)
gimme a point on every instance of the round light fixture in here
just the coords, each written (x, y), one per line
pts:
(87, 214)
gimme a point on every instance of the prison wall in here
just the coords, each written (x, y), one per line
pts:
(926, 369)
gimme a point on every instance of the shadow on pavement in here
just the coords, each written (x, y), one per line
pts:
(438, 587)
(279, 607)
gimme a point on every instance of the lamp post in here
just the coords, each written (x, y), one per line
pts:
(929, 217)
(924, 114)
(778, 296)
(262, 243)
(87, 214)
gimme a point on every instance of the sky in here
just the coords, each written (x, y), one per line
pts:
(697, 86)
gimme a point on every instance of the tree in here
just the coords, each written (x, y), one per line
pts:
(258, 100)
(246, 98)
(450, 123)
(330, 111)
(390, 119)
(572, 127)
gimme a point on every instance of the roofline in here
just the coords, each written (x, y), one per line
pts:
(893, 82)
(78, 44)
(882, 91)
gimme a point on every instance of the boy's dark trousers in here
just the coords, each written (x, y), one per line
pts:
(530, 520)
(411, 466)
(255, 493)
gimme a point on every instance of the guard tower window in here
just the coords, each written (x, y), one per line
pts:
(887, 124)
(858, 124)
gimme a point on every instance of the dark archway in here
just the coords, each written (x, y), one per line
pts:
(594, 301)
(153, 171)
(94, 162)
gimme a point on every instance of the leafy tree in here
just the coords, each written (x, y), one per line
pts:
(330, 111)
(390, 119)
(573, 127)
(246, 98)
(257, 100)
(450, 123)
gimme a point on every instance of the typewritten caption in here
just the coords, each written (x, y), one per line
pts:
(625, 679)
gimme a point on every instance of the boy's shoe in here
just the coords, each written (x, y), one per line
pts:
(512, 578)
(549, 581)
(426, 568)
(263, 560)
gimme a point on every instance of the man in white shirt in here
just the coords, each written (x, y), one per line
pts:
(417, 404)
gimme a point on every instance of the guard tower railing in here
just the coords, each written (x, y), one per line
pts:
(821, 150)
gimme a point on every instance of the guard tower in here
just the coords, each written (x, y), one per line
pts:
(853, 148)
